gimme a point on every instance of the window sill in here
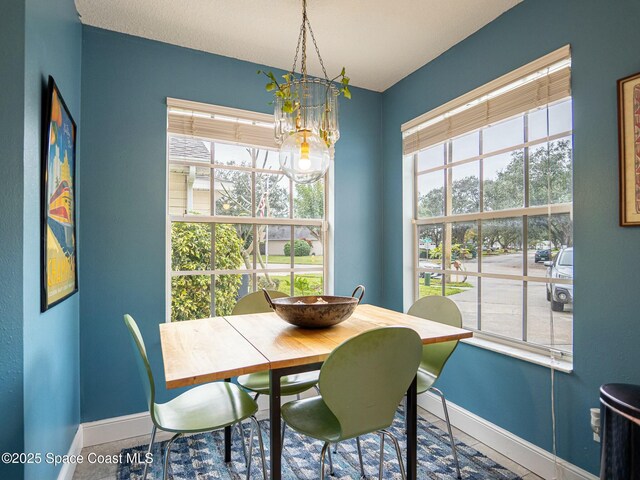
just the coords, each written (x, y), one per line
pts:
(516, 351)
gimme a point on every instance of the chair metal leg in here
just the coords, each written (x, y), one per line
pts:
(146, 464)
(167, 454)
(249, 456)
(381, 470)
(261, 445)
(240, 429)
(451, 439)
(255, 399)
(284, 426)
(258, 430)
(362, 474)
(330, 461)
(398, 453)
(406, 417)
(325, 447)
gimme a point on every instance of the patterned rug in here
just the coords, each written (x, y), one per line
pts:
(201, 457)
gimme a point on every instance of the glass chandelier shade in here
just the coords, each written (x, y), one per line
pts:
(304, 157)
(306, 115)
(315, 109)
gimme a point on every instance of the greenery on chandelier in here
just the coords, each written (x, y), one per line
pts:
(283, 89)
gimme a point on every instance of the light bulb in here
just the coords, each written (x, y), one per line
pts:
(304, 163)
(304, 157)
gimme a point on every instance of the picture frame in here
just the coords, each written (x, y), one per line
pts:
(58, 201)
(629, 148)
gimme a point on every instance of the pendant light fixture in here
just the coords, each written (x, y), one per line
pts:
(306, 113)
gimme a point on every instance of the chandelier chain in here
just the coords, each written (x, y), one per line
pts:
(302, 40)
(295, 58)
(315, 44)
(303, 66)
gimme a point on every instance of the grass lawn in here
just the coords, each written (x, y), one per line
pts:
(431, 290)
(311, 284)
(304, 284)
(435, 288)
(308, 260)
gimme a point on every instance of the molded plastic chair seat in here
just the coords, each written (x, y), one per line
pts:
(199, 409)
(361, 384)
(204, 408)
(425, 380)
(435, 356)
(259, 382)
(289, 385)
(312, 417)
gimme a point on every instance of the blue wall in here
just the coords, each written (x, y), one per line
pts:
(11, 190)
(125, 82)
(506, 391)
(51, 340)
(39, 354)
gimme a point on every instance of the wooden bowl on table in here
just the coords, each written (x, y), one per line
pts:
(313, 311)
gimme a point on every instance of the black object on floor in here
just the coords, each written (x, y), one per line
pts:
(620, 417)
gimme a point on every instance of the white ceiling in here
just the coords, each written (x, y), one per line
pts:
(378, 41)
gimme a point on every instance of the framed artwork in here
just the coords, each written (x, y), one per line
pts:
(629, 136)
(58, 256)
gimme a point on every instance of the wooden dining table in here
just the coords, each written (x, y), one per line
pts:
(200, 351)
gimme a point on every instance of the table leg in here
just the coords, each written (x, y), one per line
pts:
(227, 438)
(412, 430)
(274, 424)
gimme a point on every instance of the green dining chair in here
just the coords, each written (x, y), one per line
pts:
(200, 409)
(435, 356)
(361, 385)
(259, 382)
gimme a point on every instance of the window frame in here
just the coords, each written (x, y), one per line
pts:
(324, 224)
(548, 355)
(523, 213)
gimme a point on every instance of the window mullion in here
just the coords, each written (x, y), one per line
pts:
(479, 241)
(292, 250)
(415, 230)
(256, 244)
(448, 208)
(415, 185)
(525, 231)
(292, 242)
(212, 202)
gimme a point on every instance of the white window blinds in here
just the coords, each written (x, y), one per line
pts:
(220, 123)
(534, 85)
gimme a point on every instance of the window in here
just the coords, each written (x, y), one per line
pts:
(492, 206)
(236, 223)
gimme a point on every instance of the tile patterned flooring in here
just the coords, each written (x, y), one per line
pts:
(86, 471)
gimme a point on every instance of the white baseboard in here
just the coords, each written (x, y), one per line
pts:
(117, 428)
(530, 456)
(68, 469)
